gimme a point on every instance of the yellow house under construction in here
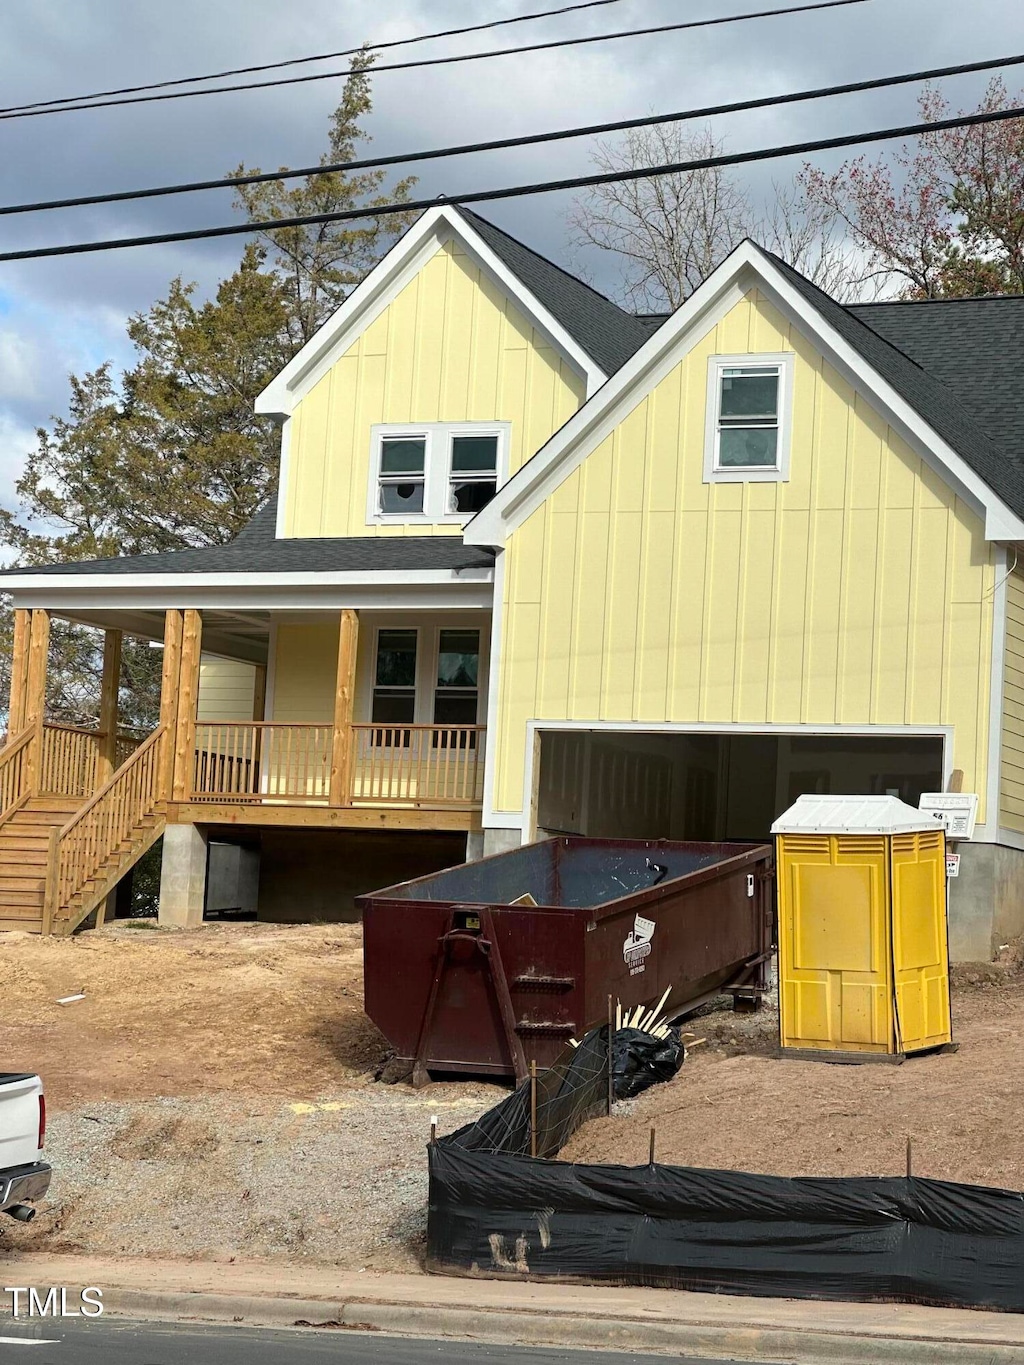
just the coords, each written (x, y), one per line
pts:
(538, 564)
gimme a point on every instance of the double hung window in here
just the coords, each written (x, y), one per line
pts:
(747, 430)
(473, 478)
(402, 470)
(456, 695)
(394, 688)
(425, 676)
(439, 472)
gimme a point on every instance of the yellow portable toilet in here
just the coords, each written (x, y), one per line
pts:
(863, 954)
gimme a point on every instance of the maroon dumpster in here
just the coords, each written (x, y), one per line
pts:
(461, 978)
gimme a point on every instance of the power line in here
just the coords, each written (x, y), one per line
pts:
(18, 113)
(317, 57)
(528, 140)
(520, 191)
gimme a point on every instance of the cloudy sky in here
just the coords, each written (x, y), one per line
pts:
(68, 314)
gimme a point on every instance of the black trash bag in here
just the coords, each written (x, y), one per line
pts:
(640, 1060)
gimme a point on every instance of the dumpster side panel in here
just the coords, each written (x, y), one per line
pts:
(692, 939)
(541, 959)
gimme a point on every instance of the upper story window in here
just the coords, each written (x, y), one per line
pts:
(403, 462)
(436, 472)
(749, 400)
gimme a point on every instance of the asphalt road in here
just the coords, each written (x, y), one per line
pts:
(120, 1341)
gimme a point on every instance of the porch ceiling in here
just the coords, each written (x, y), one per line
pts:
(234, 635)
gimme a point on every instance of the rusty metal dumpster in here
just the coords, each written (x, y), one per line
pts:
(460, 978)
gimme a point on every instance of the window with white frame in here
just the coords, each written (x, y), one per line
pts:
(425, 675)
(747, 436)
(402, 470)
(436, 472)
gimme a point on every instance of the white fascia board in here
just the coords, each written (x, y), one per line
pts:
(422, 588)
(128, 582)
(1001, 523)
(475, 597)
(745, 267)
(387, 279)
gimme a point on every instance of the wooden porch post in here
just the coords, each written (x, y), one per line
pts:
(169, 678)
(19, 672)
(344, 703)
(35, 693)
(188, 697)
(112, 640)
(259, 693)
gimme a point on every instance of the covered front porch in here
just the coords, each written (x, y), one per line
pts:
(342, 719)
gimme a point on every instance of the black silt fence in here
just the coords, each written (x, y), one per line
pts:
(496, 1211)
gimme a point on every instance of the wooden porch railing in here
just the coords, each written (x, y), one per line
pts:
(16, 779)
(70, 760)
(250, 761)
(424, 765)
(108, 834)
(262, 760)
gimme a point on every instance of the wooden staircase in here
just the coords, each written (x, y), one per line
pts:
(66, 839)
(24, 851)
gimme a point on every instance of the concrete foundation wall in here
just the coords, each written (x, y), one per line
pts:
(986, 901)
(316, 874)
(499, 841)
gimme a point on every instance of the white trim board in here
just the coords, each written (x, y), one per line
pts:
(387, 279)
(745, 268)
(305, 594)
(489, 815)
(30, 582)
(996, 690)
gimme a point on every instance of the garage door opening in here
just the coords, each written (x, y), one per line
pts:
(721, 787)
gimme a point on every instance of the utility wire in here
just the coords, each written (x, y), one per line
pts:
(519, 191)
(528, 140)
(17, 113)
(317, 57)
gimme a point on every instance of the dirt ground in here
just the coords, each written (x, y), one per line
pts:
(216, 1095)
(265, 1010)
(735, 1106)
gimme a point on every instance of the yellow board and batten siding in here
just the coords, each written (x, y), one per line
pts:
(859, 592)
(450, 347)
(1011, 769)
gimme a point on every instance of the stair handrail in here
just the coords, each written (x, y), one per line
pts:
(60, 889)
(22, 789)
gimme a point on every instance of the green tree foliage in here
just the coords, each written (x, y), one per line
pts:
(171, 454)
(322, 263)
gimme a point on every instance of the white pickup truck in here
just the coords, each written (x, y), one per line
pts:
(24, 1176)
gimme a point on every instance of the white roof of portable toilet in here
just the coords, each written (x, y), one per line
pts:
(853, 815)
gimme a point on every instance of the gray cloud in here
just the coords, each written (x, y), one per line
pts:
(69, 313)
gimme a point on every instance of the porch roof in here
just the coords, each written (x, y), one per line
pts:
(257, 551)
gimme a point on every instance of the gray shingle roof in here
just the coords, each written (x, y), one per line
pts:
(958, 363)
(256, 550)
(974, 346)
(927, 395)
(607, 333)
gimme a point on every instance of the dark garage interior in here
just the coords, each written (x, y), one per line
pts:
(708, 786)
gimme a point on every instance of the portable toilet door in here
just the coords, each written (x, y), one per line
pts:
(863, 957)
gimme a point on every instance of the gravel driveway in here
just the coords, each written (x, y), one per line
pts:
(341, 1180)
